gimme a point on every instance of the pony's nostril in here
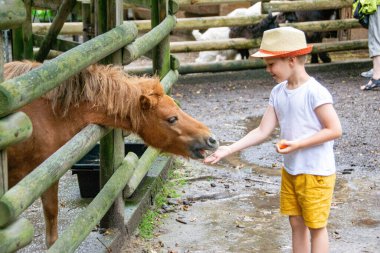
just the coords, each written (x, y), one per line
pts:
(211, 141)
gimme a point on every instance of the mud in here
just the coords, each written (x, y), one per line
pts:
(234, 206)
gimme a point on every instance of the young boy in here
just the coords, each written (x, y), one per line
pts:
(309, 124)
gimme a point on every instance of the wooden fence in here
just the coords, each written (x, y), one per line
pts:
(112, 37)
(207, 22)
(267, 6)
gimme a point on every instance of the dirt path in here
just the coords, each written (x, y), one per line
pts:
(234, 206)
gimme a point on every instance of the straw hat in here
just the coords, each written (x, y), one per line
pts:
(283, 42)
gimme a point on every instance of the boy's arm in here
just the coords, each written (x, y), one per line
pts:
(254, 137)
(331, 130)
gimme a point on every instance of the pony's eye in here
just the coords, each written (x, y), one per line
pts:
(172, 120)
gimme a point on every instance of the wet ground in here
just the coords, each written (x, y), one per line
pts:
(234, 206)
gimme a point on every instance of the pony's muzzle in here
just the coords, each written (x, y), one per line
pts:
(212, 142)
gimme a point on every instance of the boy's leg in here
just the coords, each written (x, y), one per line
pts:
(315, 198)
(319, 240)
(300, 235)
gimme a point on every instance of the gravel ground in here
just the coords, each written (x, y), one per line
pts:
(234, 205)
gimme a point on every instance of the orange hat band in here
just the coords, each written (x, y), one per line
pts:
(302, 51)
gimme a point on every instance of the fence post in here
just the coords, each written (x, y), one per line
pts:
(88, 28)
(22, 42)
(20, 232)
(58, 22)
(108, 15)
(161, 53)
(3, 153)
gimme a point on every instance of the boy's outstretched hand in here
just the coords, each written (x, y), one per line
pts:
(220, 153)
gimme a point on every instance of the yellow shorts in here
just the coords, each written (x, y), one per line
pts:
(308, 196)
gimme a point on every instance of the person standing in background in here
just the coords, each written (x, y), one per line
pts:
(374, 50)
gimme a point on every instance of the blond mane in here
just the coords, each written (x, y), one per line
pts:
(108, 87)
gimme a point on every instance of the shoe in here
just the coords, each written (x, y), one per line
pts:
(367, 74)
(372, 84)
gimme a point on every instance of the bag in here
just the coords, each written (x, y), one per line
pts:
(361, 9)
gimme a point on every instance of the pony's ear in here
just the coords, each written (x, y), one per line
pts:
(148, 102)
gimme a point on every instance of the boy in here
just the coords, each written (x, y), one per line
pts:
(309, 124)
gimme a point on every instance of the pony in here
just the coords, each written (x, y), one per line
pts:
(107, 96)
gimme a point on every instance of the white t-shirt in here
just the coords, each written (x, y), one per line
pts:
(297, 119)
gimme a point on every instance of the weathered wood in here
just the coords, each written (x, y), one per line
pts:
(221, 66)
(76, 28)
(207, 22)
(17, 235)
(21, 90)
(109, 15)
(285, 6)
(3, 153)
(86, 220)
(205, 67)
(27, 32)
(59, 20)
(88, 28)
(161, 52)
(12, 14)
(52, 54)
(3, 172)
(58, 45)
(23, 194)
(51, 4)
(340, 46)
(149, 40)
(174, 62)
(1, 58)
(14, 128)
(168, 81)
(251, 64)
(184, 3)
(69, 28)
(142, 167)
(324, 26)
(197, 46)
(210, 2)
(111, 156)
(138, 203)
(17, 44)
(22, 43)
(173, 7)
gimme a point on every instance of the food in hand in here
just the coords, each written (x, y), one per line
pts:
(281, 144)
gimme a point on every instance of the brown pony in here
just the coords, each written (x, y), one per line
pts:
(107, 96)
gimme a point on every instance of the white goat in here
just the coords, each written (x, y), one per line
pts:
(222, 33)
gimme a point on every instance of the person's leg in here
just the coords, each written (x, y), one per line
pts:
(374, 50)
(300, 235)
(319, 240)
(376, 67)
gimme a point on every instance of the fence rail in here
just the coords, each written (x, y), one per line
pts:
(21, 90)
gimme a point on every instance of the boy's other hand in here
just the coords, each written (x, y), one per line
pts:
(285, 147)
(215, 157)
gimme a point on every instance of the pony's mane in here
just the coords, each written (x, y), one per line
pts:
(104, 86)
